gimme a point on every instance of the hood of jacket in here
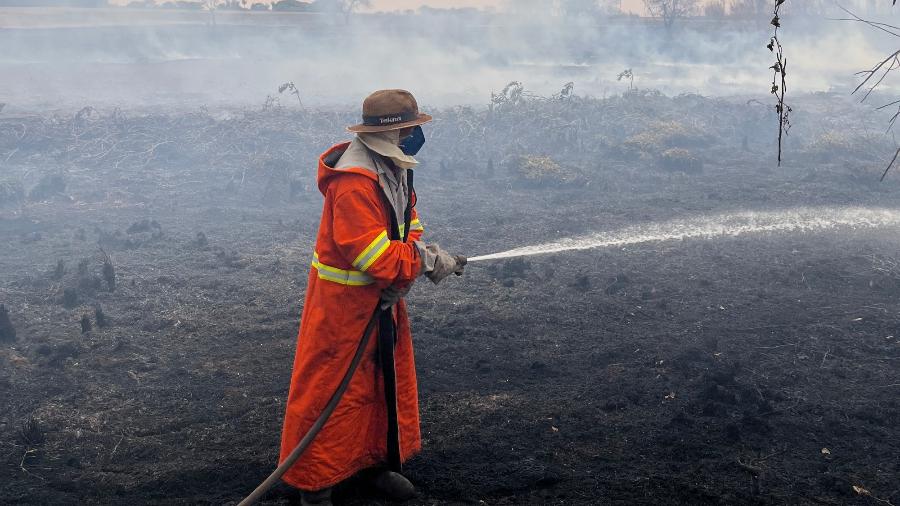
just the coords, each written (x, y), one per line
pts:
(327, 162)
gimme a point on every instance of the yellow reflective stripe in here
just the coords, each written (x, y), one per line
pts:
(350, 278)
(375, 255)
(413, 225)
(341, 276)
(372, 252)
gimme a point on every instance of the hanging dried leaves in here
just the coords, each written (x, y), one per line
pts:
(779, 79)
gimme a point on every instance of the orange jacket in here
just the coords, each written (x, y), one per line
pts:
(354, 261)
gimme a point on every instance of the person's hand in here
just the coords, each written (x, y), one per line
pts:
(392, 295)
(446, 264)
(461, 262)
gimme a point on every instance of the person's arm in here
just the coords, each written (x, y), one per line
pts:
(362, 238)
(437, 264)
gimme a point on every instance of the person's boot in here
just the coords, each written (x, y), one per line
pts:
(393, 485)
(317, 498)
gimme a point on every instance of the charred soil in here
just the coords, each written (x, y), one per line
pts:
(759, 369)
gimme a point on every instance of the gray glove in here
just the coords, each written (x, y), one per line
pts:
(446, 264)
(392, 295)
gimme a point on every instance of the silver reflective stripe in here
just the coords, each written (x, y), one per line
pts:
(341, 276)
(373, 252)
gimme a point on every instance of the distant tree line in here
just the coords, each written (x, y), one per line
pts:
(672, 12)
(667, 11)
(760, 9)
(345, 7)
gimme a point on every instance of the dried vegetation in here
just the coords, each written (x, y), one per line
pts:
(264, 155)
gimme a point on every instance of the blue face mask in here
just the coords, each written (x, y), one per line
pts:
(412, 144)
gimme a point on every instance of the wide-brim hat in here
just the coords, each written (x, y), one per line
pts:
(387, 110)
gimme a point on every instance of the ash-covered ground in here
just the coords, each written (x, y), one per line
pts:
(153, 267)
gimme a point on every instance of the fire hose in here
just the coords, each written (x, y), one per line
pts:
(313, 431)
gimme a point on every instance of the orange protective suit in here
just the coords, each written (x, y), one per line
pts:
(354, 261)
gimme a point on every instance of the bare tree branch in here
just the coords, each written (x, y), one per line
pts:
(892, 162)
(873, 77)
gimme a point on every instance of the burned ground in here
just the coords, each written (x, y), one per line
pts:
(751, 370)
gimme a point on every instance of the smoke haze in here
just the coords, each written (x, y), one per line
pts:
(66, 58)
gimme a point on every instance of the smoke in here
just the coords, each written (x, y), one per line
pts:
(146, 57)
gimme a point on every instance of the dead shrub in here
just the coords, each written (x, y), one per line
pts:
(86, 325)
(662, 135)
(510, 269)
(109, 272)
(837, 146)
(7, 331)
(70, 298)
(145, 225)
(541, 171)
(60, 269)
(31, 433)
(679, 160)
(56, 355)
(100, 316)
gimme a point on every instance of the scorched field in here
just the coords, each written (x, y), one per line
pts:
(153, 263)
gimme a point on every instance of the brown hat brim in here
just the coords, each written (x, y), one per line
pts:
(368, 129)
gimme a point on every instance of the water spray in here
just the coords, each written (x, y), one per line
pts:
(797, 220)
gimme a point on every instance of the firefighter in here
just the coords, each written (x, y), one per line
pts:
(369, 252)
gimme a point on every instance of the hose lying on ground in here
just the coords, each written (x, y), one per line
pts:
(273, 478)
